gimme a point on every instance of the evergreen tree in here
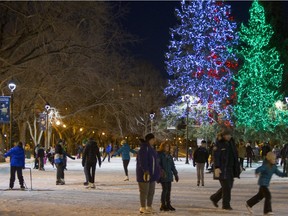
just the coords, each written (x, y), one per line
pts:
(260, 77)
(199, 58)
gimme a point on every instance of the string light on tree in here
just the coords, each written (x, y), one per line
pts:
(200, 60)
(260, 77)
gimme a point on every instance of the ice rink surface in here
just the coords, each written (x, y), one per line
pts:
(113, 196)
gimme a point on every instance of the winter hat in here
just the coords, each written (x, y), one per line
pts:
(149, 137)
(271, 157)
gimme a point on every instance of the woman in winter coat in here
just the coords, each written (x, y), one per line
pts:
(17, 162)
(167, 170)
(125, 153)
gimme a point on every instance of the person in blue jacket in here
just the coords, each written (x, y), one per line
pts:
(17, 162)
(125, 152)
(265, 173)
(108, 151)
(147, 172)
(167, 170)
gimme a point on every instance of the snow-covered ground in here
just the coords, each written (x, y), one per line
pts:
(113, 196)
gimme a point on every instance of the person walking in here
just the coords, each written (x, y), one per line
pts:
(200, 158)
(125, 153)
(226, 168)
(265, 173)
(148, 172)
(241, 152)
(167, 170)
(89, 161)
(265, 149)
(17, 163)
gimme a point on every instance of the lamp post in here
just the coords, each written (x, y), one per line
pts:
(12, 86)
(152, 115)
(186, 98)
(47, 108)
(286, 99)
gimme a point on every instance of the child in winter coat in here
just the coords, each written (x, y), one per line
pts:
(168, 169)
(265, 173)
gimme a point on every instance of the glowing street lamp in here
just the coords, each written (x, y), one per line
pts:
(12, 86)
(152, 115)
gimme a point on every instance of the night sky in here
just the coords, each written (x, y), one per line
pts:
(150, 21)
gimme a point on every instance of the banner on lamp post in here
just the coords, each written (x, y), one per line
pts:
(5, 109)
(42, 121)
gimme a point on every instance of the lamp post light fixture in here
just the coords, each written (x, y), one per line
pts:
(47, 108)
(152, 115)
(12, 86)
(286, 99)
(186, 98)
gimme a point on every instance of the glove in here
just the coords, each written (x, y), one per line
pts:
(23, 167)
(146, 177)
(99, 164)
(176, 178)
(112, 156)
(194, 164)
(217, 172)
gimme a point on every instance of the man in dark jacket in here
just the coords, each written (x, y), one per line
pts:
(200, 158)
(227, 167)
(148, 172)
(17, 162)
(89, 161)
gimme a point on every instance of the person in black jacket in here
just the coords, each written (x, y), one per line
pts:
(227, 167)
(60, 162)
(200, 158)
(89, 161)
(40, 155)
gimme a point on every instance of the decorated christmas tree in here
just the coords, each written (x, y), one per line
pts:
(200, 60)
(259, 79)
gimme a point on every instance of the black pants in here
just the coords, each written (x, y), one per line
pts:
(90, 169)
(263, 192)
(41, 162)
(166, 193)
(241, 160)
(60, 171)
(125, 165)
(109, 156)
(249, 161)
(13, 170)
(224, 192)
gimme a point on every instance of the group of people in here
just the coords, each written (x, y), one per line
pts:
(158, 167)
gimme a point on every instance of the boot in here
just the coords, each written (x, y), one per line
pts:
(170, 207)
(163, 207)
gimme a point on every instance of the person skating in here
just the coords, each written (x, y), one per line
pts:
(200, 158)
(125, 153)
(148, 172)
(167, 170)
(60, 162)
(241, 153)
(89, 160)
(108, 151)
(249, 154)
(265, 173)
(226, 168)
(40, 157)
(17, 163)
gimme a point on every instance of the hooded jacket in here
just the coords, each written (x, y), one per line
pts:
(91, 153)
(167, 167)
